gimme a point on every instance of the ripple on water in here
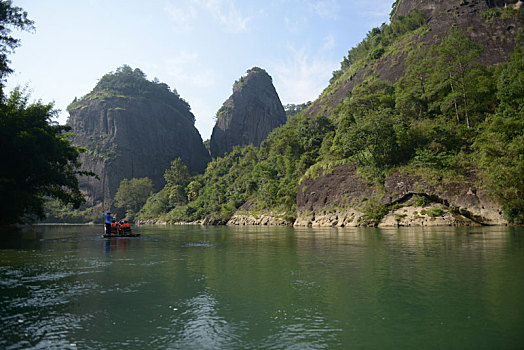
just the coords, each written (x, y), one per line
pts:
(199, 244)
(196, 324)
(40, 331)
(312, 332)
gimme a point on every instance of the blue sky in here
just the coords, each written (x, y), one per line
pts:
(198, 47)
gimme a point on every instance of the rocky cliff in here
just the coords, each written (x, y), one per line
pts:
(496, 35)
(344, 199)
(249, 115)
(132, 128)
(494, 31)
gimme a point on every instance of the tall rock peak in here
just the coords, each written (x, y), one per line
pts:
(249, 114)
(132, 128)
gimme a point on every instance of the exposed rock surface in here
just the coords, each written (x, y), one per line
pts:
(338, 199)
(266, 219)
(212, 220)
(132, 135)
(249, 115)
(248, 214)
(496, 36)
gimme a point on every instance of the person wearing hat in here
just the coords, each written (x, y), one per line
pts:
(107, 221)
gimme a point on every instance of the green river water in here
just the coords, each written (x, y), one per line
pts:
(193, 287)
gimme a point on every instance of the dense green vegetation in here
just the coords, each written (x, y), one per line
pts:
(377, 40)
(132, 195)
(39, 161)
(446, 119)
(132, 83)
(293, 109)
(42, 162)
(269, 174)
(500, 144)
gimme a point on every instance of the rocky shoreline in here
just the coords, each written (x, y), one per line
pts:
(409, 216)
(258, 219)
(343, 199)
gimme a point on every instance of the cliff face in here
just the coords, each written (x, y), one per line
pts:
(437, 8)
(249, 115)
(132, 135)
(496, 36)
(341, 197)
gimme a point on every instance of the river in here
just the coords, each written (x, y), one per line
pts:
(193, 287)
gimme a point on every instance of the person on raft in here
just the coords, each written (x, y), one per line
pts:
(124, 227)
(115, 227)
(107, 221)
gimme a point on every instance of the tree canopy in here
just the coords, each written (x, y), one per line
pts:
(127, 82)
(39, 160)
(11, 17)
(132, 195)
(501, 143)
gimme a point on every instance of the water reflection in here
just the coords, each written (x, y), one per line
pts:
(116, 244)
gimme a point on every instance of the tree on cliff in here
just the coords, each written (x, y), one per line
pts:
(456, 62)
(133, 83)
(39, 161)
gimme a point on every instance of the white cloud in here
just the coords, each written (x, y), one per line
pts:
(186, 69)
(327, 9)
(226, 13)
(184, 14)
(301, 77)
(329, 42)
(181, 16)
(294, 24)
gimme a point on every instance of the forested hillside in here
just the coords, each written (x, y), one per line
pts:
(446, 118)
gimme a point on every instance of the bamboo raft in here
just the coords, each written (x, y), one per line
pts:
(123, 234)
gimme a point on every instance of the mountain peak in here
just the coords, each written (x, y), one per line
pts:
(249, 114)
(131, 128)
